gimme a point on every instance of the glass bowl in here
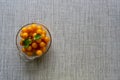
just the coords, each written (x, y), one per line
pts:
(19, 47)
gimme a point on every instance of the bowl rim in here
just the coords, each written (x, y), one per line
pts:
(27, 57)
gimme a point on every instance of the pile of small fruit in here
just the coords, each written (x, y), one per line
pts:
(34, 39)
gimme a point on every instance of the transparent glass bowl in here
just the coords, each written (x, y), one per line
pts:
(19, 47)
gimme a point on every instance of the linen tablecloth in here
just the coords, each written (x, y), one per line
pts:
(85, 33)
